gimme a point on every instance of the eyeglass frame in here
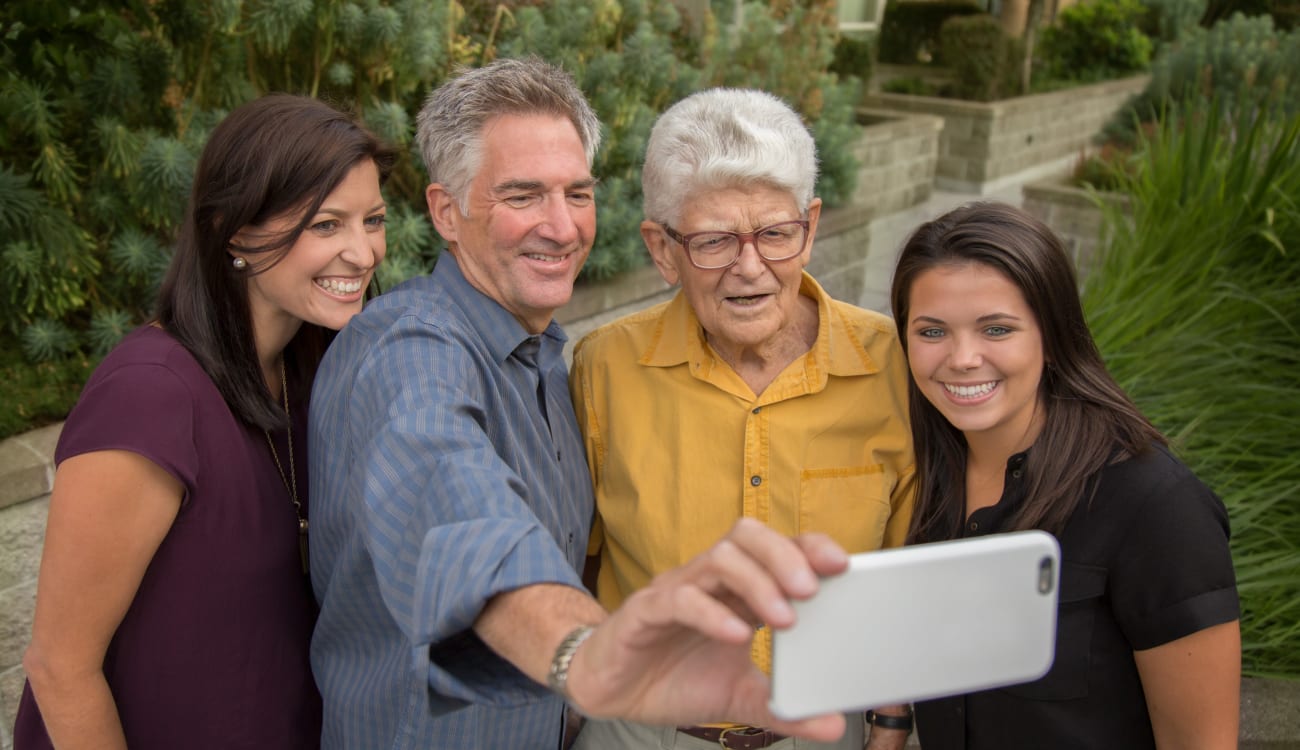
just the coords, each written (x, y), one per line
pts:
(742, 237)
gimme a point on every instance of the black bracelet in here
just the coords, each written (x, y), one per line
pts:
(886, 721)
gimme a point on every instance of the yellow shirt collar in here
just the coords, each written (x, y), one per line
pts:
(679, 339)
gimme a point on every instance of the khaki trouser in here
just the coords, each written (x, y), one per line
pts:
(624, 735)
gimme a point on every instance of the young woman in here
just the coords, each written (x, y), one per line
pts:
(173, 607)
(1017, 425)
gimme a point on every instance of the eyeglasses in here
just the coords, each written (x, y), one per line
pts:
(714, 250)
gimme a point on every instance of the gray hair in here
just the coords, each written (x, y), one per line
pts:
(722, 138)
(449, 128)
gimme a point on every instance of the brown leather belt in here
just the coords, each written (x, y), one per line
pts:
(735, 738)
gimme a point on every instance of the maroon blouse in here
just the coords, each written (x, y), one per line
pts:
(213, 651)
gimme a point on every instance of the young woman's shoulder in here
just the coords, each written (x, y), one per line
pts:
(1157, 480)
(149, 396)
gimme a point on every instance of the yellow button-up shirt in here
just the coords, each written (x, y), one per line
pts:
(680, 448)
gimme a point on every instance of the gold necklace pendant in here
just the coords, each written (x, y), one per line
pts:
(290, 480)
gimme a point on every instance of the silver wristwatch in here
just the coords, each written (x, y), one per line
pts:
(557, 677)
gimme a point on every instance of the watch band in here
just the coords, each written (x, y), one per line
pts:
(889, 721)
(557, 677)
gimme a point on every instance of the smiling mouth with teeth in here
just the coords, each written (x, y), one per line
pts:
(340, 286)
(546, 258)
(971, 391)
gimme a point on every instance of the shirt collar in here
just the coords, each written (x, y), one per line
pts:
(679, 339)
(500, 330)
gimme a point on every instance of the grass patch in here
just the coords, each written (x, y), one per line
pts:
(36, 395)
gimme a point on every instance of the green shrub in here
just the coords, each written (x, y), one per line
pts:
(990, 61)
(914, 85)
(1096, 40)
(1285, 13)
(37, 394)
(1196, 307)
(1168, 21)
(852, 59)
(909, 31)
(104, 107)
(1241, 62)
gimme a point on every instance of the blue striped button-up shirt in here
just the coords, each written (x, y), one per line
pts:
(438, 481)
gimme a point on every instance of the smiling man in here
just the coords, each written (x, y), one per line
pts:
(752, 394)
(450, 496)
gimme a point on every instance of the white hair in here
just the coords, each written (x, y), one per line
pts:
(721, 138)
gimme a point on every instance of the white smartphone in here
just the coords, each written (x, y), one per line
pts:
(921, 622)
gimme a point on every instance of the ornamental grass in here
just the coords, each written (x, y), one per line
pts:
(1195, 303)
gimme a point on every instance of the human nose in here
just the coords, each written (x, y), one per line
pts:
(558, 224)
(964, 354)
(364, 249)
(748, 261)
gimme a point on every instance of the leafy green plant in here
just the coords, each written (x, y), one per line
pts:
(1104, 170)
(909, 31)
(1285, 13)
(852, 58)
(1196, 306)
(1096, 40)
(1241, 63)
(914, 85)
(104, 107)
(990, 61)
(1168, 21)
(37, 394)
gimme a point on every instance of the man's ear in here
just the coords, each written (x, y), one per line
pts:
(660, 251)
(814, 215)
(443, 210)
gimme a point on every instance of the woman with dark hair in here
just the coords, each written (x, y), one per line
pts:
(173, 607)
(1018, 425)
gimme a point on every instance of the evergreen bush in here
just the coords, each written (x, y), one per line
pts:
(909, 31)
(1096, 40)
(1285, 13)
(852, 59)
(104, 107)
(1168, 21)
(990, 59)
(1240, 63)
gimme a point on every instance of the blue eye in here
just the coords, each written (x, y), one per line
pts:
(376, 221)
(997, 330)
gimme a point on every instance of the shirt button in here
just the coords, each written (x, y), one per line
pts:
(974, 526)
(1017, 473)
(757, 409)
(756, 480)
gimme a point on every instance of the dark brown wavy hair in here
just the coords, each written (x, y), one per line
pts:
(1089, 420)
(276, 155)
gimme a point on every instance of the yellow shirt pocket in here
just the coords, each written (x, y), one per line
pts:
(850, 504)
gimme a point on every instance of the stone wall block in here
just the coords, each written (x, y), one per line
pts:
(22, 531)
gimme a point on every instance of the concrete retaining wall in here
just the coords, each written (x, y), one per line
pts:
(1073, 214)
(983, 145)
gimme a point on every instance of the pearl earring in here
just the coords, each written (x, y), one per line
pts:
(239, 264)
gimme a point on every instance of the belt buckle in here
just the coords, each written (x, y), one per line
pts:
(762, 738)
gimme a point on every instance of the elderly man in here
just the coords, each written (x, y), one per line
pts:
(450, 498)
(751, 394)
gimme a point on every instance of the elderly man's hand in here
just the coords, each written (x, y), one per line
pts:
(678, 651)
